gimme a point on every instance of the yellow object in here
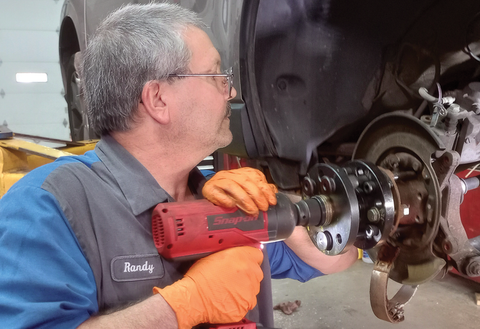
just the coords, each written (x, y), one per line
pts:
(245, 188)
(220, 288)
(13, 166)
(35, 161)
(360, 253)
(18, 157)
(32, 148)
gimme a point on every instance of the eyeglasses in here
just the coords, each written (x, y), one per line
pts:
(227, 82)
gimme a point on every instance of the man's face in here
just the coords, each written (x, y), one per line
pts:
(203, 107)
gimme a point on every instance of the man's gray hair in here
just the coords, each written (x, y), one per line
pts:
(133, 45)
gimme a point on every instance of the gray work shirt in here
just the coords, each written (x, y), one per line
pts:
(109, 205)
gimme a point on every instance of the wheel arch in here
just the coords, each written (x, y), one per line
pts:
(68, 45)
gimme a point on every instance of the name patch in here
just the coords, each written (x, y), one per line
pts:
(137, 268)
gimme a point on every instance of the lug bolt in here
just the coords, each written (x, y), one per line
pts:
(327, 184)
(373, 215)
(308, 186)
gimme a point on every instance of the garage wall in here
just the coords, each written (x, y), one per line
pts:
(29, 44)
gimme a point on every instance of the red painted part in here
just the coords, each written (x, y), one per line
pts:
(470, 212)
(470, 209)
(193, 229)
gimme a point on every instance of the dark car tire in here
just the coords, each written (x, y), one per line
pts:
(76, 109)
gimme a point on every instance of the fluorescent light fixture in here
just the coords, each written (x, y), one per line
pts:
(31, 77)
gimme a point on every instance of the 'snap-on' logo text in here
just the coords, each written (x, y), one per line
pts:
(232, 220)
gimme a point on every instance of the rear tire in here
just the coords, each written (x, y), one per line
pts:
(77, 116)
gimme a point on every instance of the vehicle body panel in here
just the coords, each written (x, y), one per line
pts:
(311, 74)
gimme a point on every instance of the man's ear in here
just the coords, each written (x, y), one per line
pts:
(154, 101)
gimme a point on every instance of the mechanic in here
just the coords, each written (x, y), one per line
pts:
(75, 235)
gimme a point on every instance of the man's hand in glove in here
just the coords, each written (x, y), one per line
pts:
(245, 188)
(220, 288)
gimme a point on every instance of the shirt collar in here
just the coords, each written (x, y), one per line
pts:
(136, 183)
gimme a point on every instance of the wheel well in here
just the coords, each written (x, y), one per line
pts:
(68, 45)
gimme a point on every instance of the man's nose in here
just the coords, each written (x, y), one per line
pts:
(233, 93)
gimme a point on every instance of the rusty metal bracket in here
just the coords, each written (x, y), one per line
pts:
(445, 167)
(456, 244)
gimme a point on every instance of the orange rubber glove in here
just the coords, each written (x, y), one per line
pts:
(245, 188)
(219, 288)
